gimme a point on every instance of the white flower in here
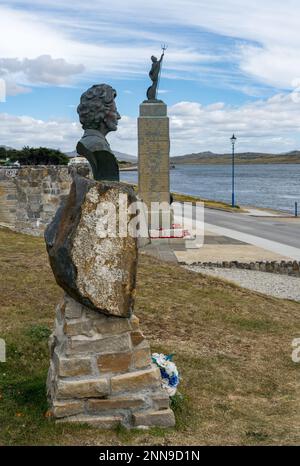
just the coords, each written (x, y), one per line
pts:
(171, 368)
(170, 390)
(160, 359)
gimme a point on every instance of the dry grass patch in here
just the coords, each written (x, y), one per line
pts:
(233, 349)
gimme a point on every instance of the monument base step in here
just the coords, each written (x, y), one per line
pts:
(175, 231)
(163, 418)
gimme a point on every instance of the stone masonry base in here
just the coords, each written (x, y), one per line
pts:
(101, 371)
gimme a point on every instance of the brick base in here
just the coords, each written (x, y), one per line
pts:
(101, 371)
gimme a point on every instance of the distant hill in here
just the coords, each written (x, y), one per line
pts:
(120, 156)
(125, 157)
(244, 157)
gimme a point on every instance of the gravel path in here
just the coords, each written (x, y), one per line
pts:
(280, 286)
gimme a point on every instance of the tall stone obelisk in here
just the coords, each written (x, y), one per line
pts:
(154, 146)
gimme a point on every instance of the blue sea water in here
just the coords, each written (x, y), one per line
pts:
(275, 186)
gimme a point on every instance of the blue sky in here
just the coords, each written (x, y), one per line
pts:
(230, 66)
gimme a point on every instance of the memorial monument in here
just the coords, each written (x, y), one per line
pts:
(101, 371)
(154, 148)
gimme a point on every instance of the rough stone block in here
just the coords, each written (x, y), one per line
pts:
(60, 312)
(136, 338)
(114, 344)
(101, 422)
(137, 380)
(89, 259)
(73, 367)
(73, 309)
(126, 402)
(161, 401)
(134, 322)
(142, 356)
(164, 418)
(82, 388)
(67, 408)
(109, 325)
(81, 327)
(52, 342)
(116, 362)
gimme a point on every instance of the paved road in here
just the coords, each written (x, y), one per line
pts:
(278, 235)
(270, 228)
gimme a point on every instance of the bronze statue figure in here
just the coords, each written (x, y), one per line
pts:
(154, 75)
(98, 115)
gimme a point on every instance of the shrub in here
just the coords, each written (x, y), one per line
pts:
(37, 156)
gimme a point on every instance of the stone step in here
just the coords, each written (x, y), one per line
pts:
(101, 422)
(86, 388)
(137, 380)
(95, 406)
(162, 418)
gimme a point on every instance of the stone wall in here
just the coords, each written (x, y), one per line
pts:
(30, 196)
(283, 267)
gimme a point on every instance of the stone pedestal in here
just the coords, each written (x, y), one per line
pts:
(153, 157)
(101, 371)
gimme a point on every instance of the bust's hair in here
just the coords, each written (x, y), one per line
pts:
(94, 104)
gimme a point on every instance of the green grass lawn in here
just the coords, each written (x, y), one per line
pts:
(179, 197)
(233, 350)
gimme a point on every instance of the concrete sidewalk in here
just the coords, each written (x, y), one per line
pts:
(228, 242)
(216, 248)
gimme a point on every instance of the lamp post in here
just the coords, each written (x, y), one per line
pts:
(232, 139)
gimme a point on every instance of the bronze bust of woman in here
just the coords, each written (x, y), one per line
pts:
(98, 115)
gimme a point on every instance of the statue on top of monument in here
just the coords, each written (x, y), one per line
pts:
(98, 115)
(154, 75)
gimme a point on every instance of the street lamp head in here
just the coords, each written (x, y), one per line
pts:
(233, 139)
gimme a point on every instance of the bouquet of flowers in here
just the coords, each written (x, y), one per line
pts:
(168, 370)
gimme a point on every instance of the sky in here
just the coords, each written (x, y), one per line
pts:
(230, 66)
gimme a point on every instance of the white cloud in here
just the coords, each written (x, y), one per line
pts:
(269, 126)
(17, 131)
(105, 48)
(118, 36)
(43, 69)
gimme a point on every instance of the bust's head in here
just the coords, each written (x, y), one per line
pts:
(97, 109)
(154, 59)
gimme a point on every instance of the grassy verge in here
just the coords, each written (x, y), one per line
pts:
(179, 197)
(233, 349)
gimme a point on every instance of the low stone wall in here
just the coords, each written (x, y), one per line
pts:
(282, 267)
(30, 196)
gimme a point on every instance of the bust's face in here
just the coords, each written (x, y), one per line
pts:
(112, 117)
